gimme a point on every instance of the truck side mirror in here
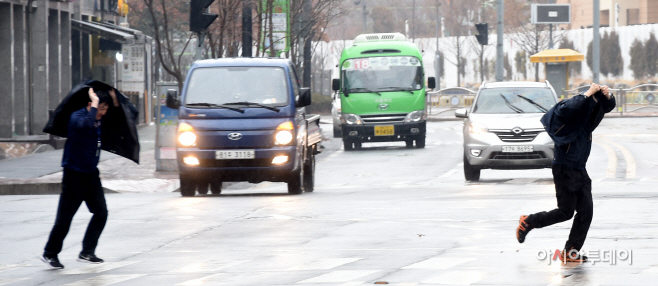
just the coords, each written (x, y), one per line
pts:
(431, 82)
(335, 84)
(461, 113)
(172, 99)
(304, 97)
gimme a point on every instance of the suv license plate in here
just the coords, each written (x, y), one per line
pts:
(234, 154)
(384, 130)
(517, 149)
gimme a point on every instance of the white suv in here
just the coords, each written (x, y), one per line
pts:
(502, 128)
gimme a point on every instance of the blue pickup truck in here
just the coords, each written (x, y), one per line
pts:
(243, 119)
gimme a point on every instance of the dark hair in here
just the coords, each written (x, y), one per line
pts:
(104, 97)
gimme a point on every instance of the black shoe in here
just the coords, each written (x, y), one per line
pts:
(53, 262)
(89, 258)
(523, 229)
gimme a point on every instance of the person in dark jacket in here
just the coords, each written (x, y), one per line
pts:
(81, 180)
(570, 124)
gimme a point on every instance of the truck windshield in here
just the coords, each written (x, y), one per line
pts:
(514, 100)
(226, 85)
(382, 74)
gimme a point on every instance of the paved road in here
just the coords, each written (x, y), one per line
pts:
(382, 214)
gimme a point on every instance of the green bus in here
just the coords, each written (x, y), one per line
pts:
(382, 91)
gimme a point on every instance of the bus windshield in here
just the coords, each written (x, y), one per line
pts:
(382, 74)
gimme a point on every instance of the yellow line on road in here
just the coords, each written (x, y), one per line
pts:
(630, 161)
(612, 158)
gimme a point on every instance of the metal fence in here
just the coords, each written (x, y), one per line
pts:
(637, 100)
(449, 99)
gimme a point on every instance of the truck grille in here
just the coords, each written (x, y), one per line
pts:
(507, 135)
(383, 118)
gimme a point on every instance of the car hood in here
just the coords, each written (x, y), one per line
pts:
(508, 121)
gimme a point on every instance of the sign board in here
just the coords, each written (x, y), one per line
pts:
(167, 121)
(551, 14)
(280, 25)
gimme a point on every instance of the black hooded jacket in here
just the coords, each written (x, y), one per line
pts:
(570, 124)
(119, 129)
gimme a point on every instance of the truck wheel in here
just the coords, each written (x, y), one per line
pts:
(410, 143)
(216, 187)
(357, 145)
(420, 142)
(338, 133)
(295, 182)
(309, 173)
(347, 145)
(471, 173)
(202, 187)
(187, 186)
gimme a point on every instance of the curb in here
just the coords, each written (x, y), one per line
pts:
(36, 189)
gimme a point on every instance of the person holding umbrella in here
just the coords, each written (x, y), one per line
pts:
(81, 182)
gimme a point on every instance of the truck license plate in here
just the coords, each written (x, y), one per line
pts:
(517, 149)
(234, 154)
(384, 130)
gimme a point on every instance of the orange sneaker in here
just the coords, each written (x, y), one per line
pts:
(572, 255)
(523, 229)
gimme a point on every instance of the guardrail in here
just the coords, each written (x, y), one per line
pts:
(450, 98)
(636, 100)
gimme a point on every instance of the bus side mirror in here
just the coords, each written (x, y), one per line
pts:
(172, 99)
(431, 82)
(335, 84)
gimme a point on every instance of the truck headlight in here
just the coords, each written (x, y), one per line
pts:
(351, 119)
(477, 128)
(415, 116)
(186, 135)
(283, 135)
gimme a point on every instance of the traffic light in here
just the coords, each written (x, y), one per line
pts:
(483, 33)
(199, 19)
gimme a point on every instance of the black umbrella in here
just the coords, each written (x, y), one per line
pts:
(118, 131)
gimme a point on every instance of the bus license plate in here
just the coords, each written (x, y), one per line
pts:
(517, 149)
(234, 154)
(385, 130)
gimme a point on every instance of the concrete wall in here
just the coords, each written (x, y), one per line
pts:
(6, 81)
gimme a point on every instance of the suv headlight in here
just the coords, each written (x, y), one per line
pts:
(477, 128)
(415, 116)
(351, 119)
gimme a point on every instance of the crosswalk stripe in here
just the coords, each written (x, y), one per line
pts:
(98, 268)
(103, 280)
(4, 281)
(4, 267)
(438, 263)
(457, 278)
(339, 276)
(209, 266)
(324, 264)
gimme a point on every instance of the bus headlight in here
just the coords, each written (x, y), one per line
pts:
(415, 116)
(351, 119)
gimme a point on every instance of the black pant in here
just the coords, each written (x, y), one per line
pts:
(76, 188)
(573, 189)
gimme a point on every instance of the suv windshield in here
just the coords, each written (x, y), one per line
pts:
(382, 74)
(226, 85)
(514, 100)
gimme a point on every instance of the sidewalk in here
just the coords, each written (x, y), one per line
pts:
(41, 173)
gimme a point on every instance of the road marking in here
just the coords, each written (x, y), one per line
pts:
(324, 264)
(457, 278)
(612, 158)
(453, 171)
(208, 266)
(339, 276)
(438, 263)
(103, 280)
(4, 281)
(98, 268)
(4, 267)
(630, 161)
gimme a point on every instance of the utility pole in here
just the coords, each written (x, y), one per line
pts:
(247, 37)
(499, 44)
(596, 48)
(437, 55)
(413, 21)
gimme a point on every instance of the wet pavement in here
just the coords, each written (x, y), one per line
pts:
(384, 214)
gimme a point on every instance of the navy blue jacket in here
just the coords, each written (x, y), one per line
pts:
(570, 124)
(82, 148)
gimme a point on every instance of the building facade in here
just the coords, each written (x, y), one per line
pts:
(614, 13)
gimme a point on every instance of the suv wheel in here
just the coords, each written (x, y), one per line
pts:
(471, 173)
(347, 145)
(420, 141)
(338, 133)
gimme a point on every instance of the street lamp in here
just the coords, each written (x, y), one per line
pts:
(365, 13)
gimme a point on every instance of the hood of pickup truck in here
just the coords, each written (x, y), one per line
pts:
(250, 113)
